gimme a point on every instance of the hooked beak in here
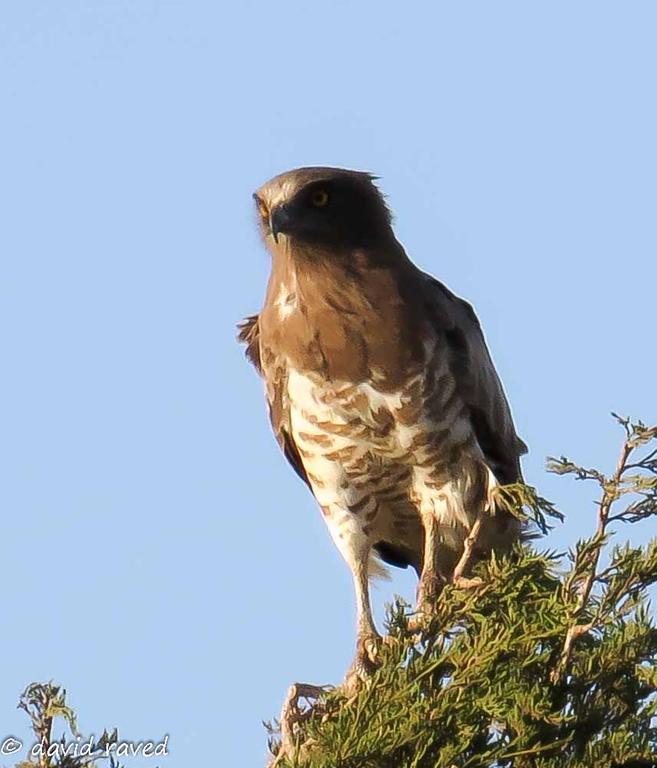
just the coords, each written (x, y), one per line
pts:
(279, 222)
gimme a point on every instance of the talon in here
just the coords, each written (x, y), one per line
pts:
(464, 583)
(417, 624)
(364, 664)
(428, 592)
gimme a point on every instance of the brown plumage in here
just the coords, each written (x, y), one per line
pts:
(381, 391)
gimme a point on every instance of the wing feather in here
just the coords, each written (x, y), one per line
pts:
(477, 381)
(249, 334)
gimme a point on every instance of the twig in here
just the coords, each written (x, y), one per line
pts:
(609, 496)
(291, 714)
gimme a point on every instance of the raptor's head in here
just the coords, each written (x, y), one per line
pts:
(329, 207)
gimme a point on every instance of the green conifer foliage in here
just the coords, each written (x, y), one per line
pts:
(543, 661)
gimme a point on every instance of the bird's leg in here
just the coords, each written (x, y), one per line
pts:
(471, 540)
(367, 638)
(431, 582)
(458, 577)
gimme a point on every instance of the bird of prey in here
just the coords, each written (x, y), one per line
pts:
(381, 391)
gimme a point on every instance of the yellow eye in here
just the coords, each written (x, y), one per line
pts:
(319, 198)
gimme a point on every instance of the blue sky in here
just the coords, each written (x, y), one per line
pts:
(159, 558)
